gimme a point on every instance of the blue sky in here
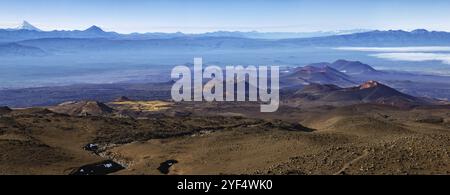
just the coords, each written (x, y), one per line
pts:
(197, 16)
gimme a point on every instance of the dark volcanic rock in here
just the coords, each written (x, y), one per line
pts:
(5, 110)
(102, 168)
(430, 119)
(165, 166)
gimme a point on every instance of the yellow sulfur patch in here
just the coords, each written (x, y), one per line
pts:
(143, 105)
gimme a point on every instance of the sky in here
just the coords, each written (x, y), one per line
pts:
(197, 16)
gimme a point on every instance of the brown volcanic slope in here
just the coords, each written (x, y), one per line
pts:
(38, 141)
(322, 129)
(227, 138)
(83, 108)
(369, 92)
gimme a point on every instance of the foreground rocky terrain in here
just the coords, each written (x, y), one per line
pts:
(162, 137)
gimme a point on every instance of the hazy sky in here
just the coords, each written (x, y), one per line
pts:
(202, 15)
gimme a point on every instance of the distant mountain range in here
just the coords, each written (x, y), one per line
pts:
(27, 31)
(281, 35)
(345, 37)
(31, 41)
(94, 39)
(419, 37)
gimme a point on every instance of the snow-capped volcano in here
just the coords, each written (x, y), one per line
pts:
(27, 26)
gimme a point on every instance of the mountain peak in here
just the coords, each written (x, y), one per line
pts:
(83, 108)
(370, 84)
(420, 31)
(27, 26)
(94, 28)
(342, 62)
(352, 67)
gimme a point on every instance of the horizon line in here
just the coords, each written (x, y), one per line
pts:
(217, 29)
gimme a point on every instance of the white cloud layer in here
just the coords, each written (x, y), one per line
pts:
(395, 49)
(415, 57)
